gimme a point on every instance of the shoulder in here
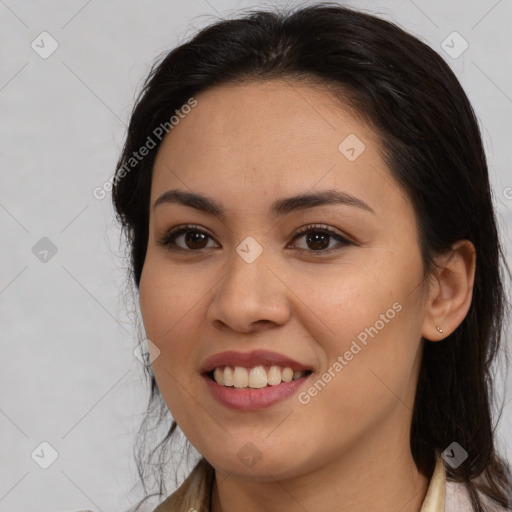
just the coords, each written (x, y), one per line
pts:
(458, 499)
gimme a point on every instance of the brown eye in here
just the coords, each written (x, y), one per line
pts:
(318, 238)
(193, 239)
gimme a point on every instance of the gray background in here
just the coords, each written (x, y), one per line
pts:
(68, 375)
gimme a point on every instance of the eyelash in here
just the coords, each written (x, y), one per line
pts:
(167, 240)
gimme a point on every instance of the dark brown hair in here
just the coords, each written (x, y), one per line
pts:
(432, 145)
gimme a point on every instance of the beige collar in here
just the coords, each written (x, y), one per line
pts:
(436, 493)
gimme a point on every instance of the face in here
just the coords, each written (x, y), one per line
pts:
(332, 283)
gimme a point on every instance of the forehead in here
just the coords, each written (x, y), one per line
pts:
(278, 113)
(270, 139)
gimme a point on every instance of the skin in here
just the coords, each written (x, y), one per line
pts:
(247, 146)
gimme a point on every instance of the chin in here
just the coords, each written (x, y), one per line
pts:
(262, 465)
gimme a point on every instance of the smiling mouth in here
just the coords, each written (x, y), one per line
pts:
(256, 377)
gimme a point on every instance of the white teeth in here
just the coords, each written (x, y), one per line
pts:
(218, 375)
(287, 375)
(256, 377)
(228, 376)
(274, 375)
(240, 377)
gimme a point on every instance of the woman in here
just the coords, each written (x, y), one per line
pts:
(312, 236)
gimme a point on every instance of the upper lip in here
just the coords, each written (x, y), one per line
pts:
(251, 359)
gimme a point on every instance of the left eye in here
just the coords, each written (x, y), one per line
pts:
(317, 237)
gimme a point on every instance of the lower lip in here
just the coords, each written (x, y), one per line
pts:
(252, 398)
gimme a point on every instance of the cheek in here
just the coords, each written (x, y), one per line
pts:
(372, 320)
(345, 304)
(172, 314)
(368, 373)
(164, 300)
(164, 307)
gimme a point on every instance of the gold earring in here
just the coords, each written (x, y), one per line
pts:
(439, 329)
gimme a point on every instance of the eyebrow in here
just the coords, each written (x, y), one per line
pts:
(279, 208)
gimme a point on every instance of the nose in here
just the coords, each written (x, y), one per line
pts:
(250, 297)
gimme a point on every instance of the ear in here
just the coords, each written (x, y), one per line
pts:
(451, 291)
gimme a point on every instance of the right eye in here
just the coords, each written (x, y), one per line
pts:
(193, 238)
